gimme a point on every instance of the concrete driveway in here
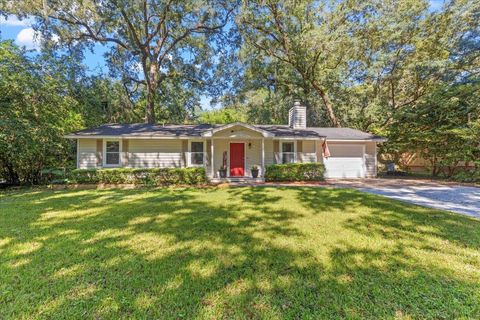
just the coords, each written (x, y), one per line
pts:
(445, 196)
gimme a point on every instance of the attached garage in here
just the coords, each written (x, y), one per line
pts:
(346, 161)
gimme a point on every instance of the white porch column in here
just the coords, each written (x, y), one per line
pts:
(263, 157)
(295, 155)
(212, 150)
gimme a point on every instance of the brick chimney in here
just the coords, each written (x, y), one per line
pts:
(297, 116)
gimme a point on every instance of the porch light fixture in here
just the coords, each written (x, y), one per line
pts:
(249, 145)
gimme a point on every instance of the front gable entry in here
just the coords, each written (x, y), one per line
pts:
(238, 130)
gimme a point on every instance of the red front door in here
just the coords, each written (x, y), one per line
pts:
(237, 159)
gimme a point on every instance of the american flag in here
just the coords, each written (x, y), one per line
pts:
(326, 152)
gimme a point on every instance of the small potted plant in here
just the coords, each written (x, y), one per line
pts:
(223, 172)
(254, 171)
(223, 169)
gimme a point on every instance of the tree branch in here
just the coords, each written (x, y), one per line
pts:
(90, 33)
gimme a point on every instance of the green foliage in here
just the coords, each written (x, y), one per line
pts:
(373, 65)
(444, 128)
(42, 98)
(102, 100)
(153, 47)
(370, 59)
(222, 116)
(467, 175)
(53, 176)
(150, 177)
(36, 110)
(295, 172)
(306, 45)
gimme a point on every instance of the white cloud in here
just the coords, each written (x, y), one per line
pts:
(13, 21)
(32, 39)
(29, 38)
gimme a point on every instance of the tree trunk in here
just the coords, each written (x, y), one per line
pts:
(328, 105)
(11, 176)
(152, 82)
(150, 106)
(434, 167)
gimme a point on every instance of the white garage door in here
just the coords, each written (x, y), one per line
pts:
(346, 161)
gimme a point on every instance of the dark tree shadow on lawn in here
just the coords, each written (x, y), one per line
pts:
(398, 276)
(186, 253)
(394, 219)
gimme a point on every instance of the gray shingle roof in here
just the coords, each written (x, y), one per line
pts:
(142, 129)
(345, 134)
(286, 131)
(149, 130)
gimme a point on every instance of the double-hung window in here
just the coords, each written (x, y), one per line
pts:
(196, 153)
(288, 152)
(112, 153)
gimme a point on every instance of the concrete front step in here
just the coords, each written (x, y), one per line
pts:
(237, 180)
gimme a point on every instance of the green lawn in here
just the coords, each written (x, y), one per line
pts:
(274, 253)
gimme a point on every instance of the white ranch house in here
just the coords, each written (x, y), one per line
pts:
(353, 153)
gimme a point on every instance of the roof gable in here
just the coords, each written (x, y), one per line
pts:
(213, 131)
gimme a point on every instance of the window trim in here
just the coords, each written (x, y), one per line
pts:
(294, 150)
(105, 153)
(189, 158)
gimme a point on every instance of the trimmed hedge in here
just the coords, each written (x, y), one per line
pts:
(295, 172)
(53, 176)
(151, 177)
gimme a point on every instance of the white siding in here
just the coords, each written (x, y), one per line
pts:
(319, 151)
(308, 146)
(269, 155)
(306, 157)
(253, 156)
(346, 150)
(208, 166)
(155, 153)
(219, 147)
(370, 159)
(87, 153)
(308, 152)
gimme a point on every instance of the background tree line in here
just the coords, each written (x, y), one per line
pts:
(395, 68)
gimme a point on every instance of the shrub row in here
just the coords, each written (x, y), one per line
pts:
(295, 172)
(151, 177)
(467, 176)
(53, 175)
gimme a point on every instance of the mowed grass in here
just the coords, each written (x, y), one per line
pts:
(227, 253)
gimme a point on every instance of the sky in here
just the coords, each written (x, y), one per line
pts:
(22, 33)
